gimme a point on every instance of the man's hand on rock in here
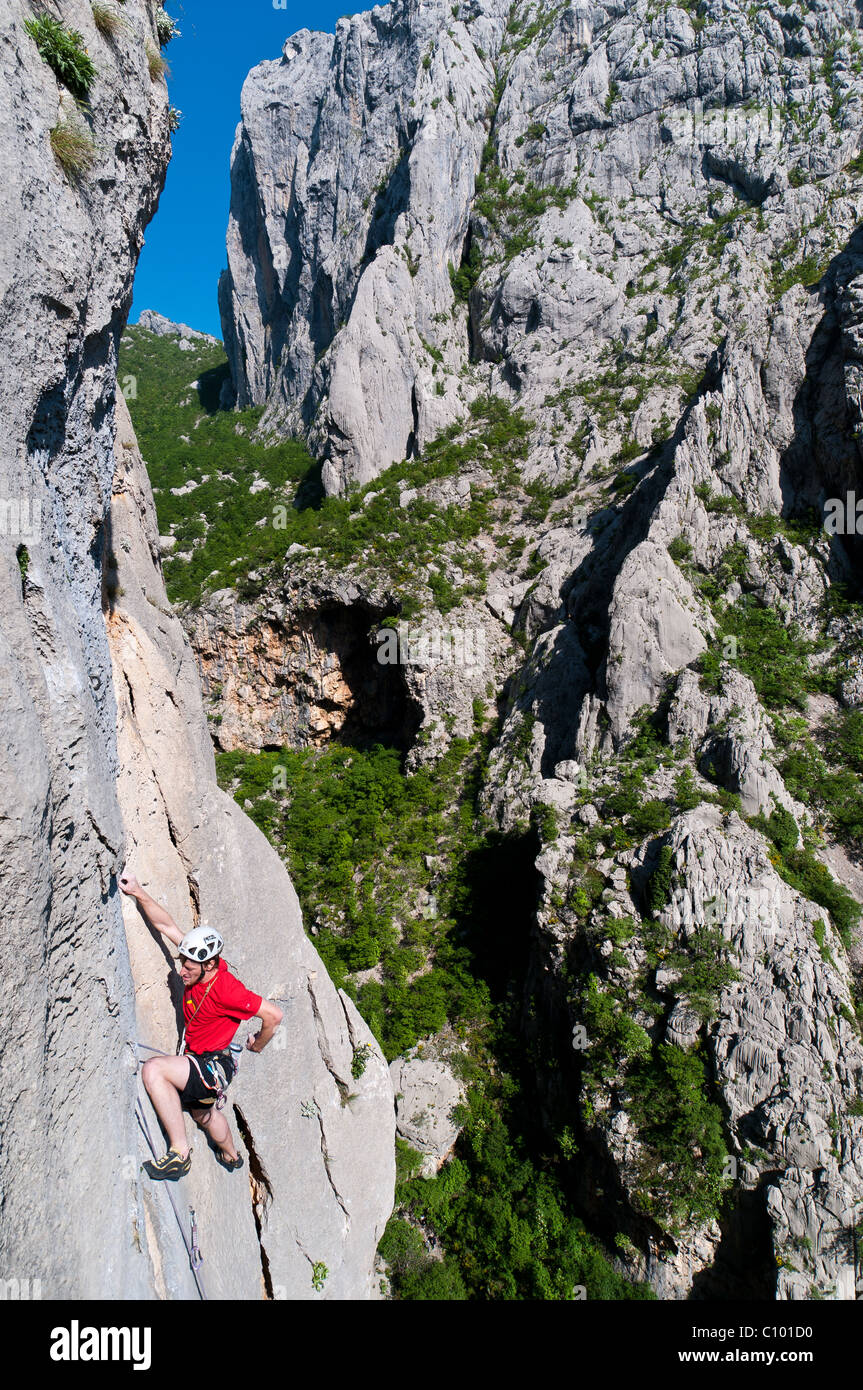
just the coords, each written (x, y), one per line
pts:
(129, 884)
(250, 1042)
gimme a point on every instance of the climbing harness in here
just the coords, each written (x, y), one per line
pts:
(195, 1253)
(220, 1082)
(213, 1066)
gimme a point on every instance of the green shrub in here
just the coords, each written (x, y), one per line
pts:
(64, 52)
(807, 272)
(681, 1173)
(651, 817)
(680, 550)
(615, 1037)
(545, 819)
(709, 668)
(773, 656)
(587, 893)
(659, 886)
(704, 970)
(504, 1219)
(780, 827)
(464, 279)
(686, 794)
(625, 483)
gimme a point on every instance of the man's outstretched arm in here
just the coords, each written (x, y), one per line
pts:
(157, 916)
(270, 1016)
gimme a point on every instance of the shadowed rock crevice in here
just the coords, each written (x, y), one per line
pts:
(261, 1195)
(744, 1265)
(823, 459)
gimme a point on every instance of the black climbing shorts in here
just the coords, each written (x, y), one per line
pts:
(195, 1094)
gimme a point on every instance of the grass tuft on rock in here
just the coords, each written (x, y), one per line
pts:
(107, 21)
(156, 64)
(74, 150)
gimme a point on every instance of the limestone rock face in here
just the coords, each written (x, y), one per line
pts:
(321, 1183)
(784, 1047)
(106, 758)
(72, 1205)
(316, 663)
(426, 1093)
(352, 175)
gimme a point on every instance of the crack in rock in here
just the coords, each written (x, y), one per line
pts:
(261, 1194)
(323, 1046)
(326, 1157)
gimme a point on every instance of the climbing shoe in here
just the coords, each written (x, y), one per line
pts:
(169, 1168)
(230, 1164)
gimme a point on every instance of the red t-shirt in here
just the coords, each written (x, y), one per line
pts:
(211, 1025)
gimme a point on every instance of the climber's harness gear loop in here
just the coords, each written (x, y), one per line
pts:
(214, 1066)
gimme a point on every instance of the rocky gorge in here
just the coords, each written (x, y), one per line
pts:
(477, 620)
(634, 227)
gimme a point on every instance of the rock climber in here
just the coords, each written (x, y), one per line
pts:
(214, 1002)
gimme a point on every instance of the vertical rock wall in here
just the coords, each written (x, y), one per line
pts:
(71, 1216)
(322, 1182)
(74, 1211)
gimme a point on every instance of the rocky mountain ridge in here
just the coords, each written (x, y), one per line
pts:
(152, 322)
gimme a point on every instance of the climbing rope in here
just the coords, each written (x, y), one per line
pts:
(192, 1250)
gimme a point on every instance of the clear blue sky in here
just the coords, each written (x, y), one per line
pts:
(185, 243)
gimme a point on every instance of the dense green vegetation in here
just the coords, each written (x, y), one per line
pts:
(237, 534)
(772, 654)
(681, 1171)
(186, 439)
(355, 831)
(507, 1227)
(829, 780)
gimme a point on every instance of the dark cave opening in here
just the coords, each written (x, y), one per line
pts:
(371, 701)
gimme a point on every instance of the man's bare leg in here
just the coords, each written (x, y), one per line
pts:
(164, 1078)
(213, 1122)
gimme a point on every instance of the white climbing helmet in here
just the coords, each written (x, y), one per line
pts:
(200, 944)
